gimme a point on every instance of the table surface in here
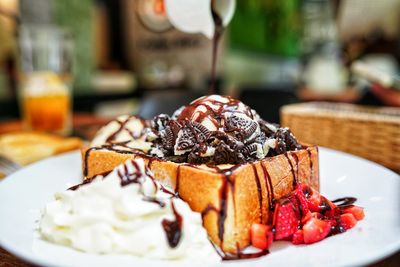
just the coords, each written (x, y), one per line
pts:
(85, 125)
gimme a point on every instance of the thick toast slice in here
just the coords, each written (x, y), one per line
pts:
(230, 197)
(27, 147)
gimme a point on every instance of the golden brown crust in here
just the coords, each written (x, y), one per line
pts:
(242, 188)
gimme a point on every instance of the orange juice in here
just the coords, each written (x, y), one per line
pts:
(45, 102)
(49, 113)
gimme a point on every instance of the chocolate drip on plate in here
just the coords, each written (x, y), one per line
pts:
(239, 255)
(345, 202)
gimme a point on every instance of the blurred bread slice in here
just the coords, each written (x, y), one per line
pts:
(27, 147)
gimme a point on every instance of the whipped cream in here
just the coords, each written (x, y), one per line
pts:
(129, 129)
(124, 212)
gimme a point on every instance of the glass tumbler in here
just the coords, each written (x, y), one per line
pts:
(45, 79)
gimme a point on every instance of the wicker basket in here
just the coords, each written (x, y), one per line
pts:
(369, 132)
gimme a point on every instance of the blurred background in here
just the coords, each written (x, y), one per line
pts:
(70, 66)
(127, 56)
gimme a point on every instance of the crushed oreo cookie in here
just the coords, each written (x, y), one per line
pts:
(217, 130)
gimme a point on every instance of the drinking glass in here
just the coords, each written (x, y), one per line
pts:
(45, 78)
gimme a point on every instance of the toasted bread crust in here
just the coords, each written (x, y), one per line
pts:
(230, 199)
(27, 147)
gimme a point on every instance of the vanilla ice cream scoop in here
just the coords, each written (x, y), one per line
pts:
(212, 111)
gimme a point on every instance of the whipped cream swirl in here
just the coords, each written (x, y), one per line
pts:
(126, 212)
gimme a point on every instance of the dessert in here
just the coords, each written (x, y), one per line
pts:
(219, 156)
(214, 163)
(126, 212)
(27, 147)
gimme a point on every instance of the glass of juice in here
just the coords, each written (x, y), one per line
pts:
(45, 79)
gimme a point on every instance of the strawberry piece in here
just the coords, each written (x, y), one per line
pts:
(315, 230)
(357, 212)
(333, 212)
(261, 235)
(325, 205)
(347, 221)
(312, 196)
(298, 237)
(302, 200)
(286, 220)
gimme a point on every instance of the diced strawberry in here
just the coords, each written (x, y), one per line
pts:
(306, 217)
(313, 198)
(325, 205)
(347, 221)
(332, 213)
(299, 195)
(286, 220)
(310, 215)
(261, 235)
(332, 222)
(357, 212)
(315, 230)
(298, 237)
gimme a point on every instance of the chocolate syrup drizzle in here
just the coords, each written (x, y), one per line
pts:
(114, 147)
(269, 187)
(311, 162)
(259, 191)
(211, 111)
(173, 228)
(239, 255)
(219, 29)
(122, 127)
(345, 202)
(291, 167)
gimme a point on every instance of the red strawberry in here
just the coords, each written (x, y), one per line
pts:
(333, 212)
(312, 196)
(298, 237)
(310, 215)
(357, 212)
(302, 200)
(261, 235)
(325, 205)
(347, 221)
(286, 220)
(315, 230)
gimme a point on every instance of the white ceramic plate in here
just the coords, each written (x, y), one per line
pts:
(25, 193)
